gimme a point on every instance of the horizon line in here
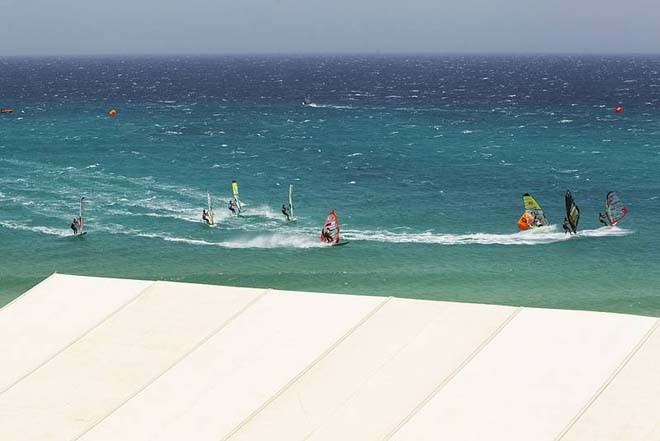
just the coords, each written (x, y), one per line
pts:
(328, 54)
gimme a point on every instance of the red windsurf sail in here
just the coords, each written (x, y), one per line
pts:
(330, 231)
(615, 210)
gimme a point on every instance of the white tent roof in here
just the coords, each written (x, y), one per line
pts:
(97, 359)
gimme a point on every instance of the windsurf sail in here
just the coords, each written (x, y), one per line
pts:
(572, 211)
(330, 231)
(536, 216)
(209, 208)
(615, 209)
(81, 218)
(234, 192)
(291, 216)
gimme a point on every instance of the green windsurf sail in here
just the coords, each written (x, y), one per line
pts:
(532, 207)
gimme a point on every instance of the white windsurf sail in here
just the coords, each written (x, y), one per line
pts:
(209, 208)
(81, 218)
(291, 216)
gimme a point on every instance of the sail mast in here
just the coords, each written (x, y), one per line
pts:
(291, 200)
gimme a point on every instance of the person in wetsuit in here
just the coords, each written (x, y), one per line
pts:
(327, 235)
(232, 206)
(285, 211)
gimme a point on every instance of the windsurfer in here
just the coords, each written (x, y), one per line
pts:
(75, 225)
(602, 219)
(566, 226)
(205, 217)
(285, 211)
(232, 206)
(327, 235)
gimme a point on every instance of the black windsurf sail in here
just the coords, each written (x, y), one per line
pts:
(572, 211)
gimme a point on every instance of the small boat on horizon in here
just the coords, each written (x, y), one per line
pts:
(6, 110)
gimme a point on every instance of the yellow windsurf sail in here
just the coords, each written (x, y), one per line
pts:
(234, 192)
(534, 209)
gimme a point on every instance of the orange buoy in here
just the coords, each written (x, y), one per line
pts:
(112, 113)
(618, 109)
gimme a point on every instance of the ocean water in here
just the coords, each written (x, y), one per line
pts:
(424, 158)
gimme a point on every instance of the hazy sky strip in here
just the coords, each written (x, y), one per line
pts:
(33, 27)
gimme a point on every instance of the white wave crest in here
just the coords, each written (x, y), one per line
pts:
(61, 232)
(290, 239)
(275, 240)
(264, 241)
(188, 215)
(327, 106)
(604, 232)
(261, 211)
(546, 235)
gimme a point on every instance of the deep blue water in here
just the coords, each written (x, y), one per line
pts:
(424, 159)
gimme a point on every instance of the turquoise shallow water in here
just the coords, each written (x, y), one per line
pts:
(424, 159)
